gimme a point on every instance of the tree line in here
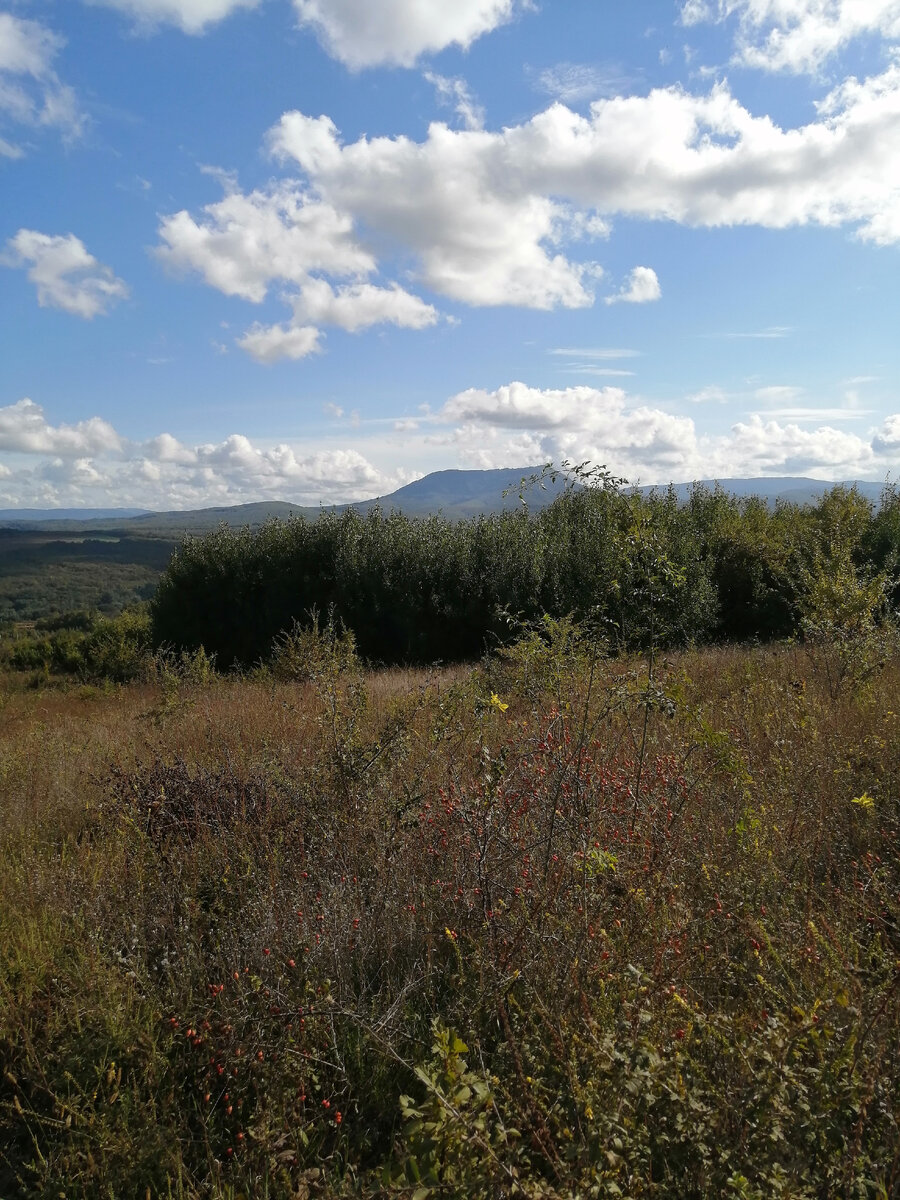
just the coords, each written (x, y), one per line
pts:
(641, 568)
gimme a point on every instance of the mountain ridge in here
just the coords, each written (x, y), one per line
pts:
(454, 493)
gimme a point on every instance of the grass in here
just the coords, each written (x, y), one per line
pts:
(545, 927)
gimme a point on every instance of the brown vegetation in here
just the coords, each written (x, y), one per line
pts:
(553, 926)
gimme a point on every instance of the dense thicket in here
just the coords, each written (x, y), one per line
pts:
(643, 567)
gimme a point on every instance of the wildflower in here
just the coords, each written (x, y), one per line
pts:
(865, 801)
(337, 1118)
(496, 702)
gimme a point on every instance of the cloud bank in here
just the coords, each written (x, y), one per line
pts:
(518, 424)
(92, 464)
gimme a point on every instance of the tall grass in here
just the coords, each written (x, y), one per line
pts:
(557, 925)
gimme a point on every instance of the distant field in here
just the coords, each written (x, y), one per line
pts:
(46, 573)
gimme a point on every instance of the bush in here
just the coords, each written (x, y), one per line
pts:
(92, 648)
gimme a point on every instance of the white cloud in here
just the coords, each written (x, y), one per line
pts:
(192, 16)
(805, 415)
(455, 92)
(243, 244)
(487, 216)
(575, 423)
(517, 423)
(641, 287)
(481, 232)
(360, 305)
(573, 83)
(797, 35)
(599, 352)
(25, 430)
(65, 274)
(31, 93)
(72, 473)
(778, 394)
(91, 463)
(598, 372)
(709, 395)
(773, 333)
(887, 440)
(271, 343)
(398, 32)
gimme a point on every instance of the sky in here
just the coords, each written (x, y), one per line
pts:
(310, 250)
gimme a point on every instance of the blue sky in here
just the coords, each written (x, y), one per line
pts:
(311, 249)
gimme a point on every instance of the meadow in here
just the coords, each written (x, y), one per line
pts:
(605, 913)
(553, 925)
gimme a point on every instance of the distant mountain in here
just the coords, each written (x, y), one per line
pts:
(465, 493)
(9, 516)
(793, 489)
(455, 494)
(201, 519)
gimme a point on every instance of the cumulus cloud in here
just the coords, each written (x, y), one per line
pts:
(398, 32)
(464, 202)
(360, 305)
(192, 16)
(574, 422)
(65, 274)
(797, 35)
(243, 244)
(25, 430)
(488, 215)
(31, 93)
(90, 462)
(496, 428)
(271, 343)
(641, 287)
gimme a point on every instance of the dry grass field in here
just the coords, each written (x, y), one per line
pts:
(551, 926)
